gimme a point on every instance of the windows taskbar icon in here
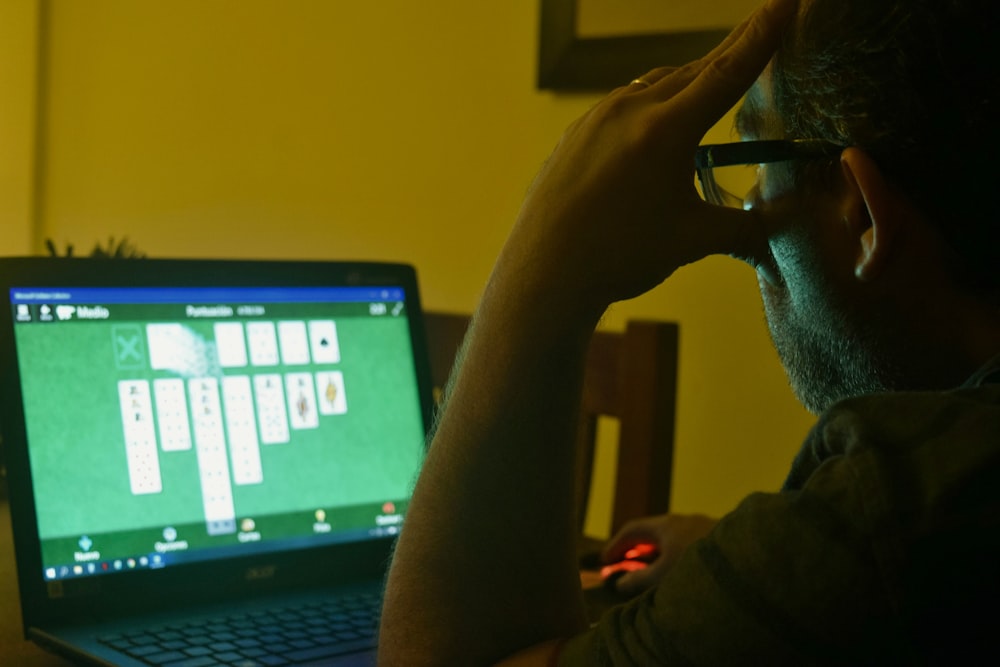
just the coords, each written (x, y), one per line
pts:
(151, 561)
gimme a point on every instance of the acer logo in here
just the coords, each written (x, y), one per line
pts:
(258, 573)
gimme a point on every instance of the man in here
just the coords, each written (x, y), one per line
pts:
(880, 277)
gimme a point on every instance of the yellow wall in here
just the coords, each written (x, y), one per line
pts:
(383, 130)
(18, 73)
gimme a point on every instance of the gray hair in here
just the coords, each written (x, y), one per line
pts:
(914, 83)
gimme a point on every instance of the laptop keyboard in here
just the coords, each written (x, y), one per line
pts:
(283, 636)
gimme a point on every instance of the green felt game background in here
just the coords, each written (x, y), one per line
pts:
(367, 456)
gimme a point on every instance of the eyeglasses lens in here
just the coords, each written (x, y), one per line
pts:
(727, 186)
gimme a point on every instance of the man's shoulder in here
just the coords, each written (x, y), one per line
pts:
(961, 426)
(900, 420)
(907, 418)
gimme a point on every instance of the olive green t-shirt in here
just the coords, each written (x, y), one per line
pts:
(882, 548)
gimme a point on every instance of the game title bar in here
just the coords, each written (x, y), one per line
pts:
(212, 295)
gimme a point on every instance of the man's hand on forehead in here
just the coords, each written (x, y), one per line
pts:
(616, 203)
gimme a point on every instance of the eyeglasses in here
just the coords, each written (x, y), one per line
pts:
(729, 186)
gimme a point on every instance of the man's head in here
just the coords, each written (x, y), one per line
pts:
(881, 256)
(913, 83)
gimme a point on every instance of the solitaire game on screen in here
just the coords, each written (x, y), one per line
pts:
(172, 425)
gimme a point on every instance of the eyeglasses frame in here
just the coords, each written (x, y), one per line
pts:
(710, 156)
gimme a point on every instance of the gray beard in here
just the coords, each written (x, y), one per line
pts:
(828, 358)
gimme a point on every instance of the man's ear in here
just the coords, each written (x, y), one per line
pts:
(870, 210)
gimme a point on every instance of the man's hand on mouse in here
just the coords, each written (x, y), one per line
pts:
(669, 534)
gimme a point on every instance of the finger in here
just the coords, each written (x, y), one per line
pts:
(687, 73)
(636, 532)
(654, 76)
(665, 82)
(682, 76)
(633, 531)
(735, 64)
(737, 33)
(643, 83)
(740, 234)
(616, 551)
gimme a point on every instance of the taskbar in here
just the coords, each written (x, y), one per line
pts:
(157, 560)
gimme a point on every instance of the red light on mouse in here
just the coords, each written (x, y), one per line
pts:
(640, 551)
(622, 566)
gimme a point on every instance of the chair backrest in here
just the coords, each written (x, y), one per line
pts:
(630, 375)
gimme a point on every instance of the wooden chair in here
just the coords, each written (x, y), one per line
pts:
(630, 375)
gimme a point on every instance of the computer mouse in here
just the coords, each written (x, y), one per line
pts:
(636, 558)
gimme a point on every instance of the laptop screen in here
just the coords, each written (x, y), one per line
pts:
(171, 425)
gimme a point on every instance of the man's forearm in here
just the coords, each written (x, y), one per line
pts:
(485, 564)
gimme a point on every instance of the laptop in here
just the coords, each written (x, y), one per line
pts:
(208, 460)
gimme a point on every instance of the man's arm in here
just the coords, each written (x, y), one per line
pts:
(485, 565)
